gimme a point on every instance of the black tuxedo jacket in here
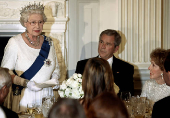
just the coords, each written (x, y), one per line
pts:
(9, 113)
(122, 72)
(161, 108)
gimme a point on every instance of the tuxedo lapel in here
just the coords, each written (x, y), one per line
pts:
(114, 64)
(116, 70)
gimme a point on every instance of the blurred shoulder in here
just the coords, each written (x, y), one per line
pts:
(83, 61)
(163, 101)
(161, 105)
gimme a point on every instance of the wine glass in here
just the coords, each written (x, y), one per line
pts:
(125, 95)
(38, 112)
(30, 108)
(47, 104)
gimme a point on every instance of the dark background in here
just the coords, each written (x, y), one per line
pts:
(3, 42)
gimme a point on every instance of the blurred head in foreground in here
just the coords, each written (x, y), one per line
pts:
(107, 105)
(5, 83)
(67, 108)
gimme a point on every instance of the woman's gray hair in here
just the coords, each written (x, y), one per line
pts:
(5, 77)
(25, 15)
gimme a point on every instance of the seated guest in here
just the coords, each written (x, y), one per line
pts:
(155, 88)
(67, 108)
(161, 107)
(107, 105)
(5, 83)
(97, 78)
(109, 41)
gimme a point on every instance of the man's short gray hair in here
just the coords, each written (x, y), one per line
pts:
(5, 77)
(110, 32)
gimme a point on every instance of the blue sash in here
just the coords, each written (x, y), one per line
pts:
(36, 66)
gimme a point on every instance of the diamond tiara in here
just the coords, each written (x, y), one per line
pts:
(32, 7)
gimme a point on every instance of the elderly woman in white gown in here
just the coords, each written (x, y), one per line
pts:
(31, 57)
(155, 88)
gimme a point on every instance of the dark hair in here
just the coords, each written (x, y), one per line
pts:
(158, 55)
(167, 61)
(97, 77)
(66, 108)
(114, 33)
(107, 105)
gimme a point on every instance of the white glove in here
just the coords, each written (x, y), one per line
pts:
(56, 86)
(31, 85)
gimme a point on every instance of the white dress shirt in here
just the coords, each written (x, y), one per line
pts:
(110, 61)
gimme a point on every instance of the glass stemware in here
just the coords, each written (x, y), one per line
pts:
(38, 112)
(125, 95)
(30, 108)
(47, 103)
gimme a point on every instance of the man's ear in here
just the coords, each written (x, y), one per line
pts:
(3, 93)
(4, 89)
(116, 49)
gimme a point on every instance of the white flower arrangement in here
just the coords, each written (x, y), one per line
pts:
(72, 87)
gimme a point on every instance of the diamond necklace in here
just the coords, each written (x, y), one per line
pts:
(34, 43)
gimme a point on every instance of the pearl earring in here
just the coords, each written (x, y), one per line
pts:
(162, 76)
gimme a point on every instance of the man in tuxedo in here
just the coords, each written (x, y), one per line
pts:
(109, 41)
(160, 108)
(5, 83)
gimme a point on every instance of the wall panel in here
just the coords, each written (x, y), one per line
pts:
(166, 24)
(140, 28)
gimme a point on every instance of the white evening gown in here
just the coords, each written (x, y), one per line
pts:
(155, 91)
(19, 56)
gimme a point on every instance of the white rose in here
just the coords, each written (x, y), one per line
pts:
(75, 76)
(75, 94)
(81, 90)
(82, 96)
(61, 93)
(63, 86)
(79, 80)
(75, 84)
(67, 92)
(79, 75)
(70, 81)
